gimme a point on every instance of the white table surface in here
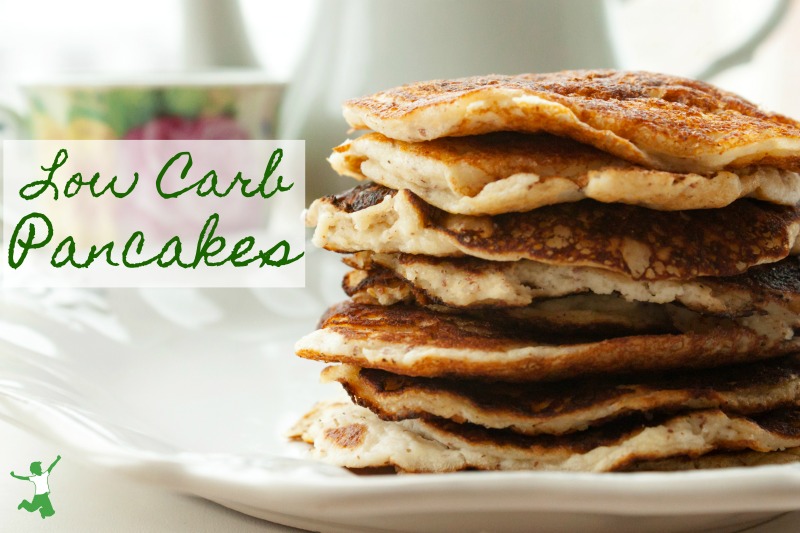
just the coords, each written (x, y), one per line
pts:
(87, 499)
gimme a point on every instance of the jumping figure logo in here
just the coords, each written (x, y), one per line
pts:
(41, 497)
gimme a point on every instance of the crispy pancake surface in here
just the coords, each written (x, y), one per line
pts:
(508, 172)
(577, 314)
(386, 279)
(348, 435)
(587, 315)
(656, 120)
(718, 460)
(585, 271)
(638, 242)
(416, 341)
(574, 405)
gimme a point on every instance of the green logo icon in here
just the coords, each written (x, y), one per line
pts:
(41, 497)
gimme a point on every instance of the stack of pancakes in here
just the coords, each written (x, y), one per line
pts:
(585, 270)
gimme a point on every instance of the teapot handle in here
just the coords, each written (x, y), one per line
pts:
(744, 52)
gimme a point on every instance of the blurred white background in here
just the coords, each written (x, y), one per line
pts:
(39, 38)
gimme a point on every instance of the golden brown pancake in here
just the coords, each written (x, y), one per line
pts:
(718, 460)
(577, 314)
(655, 120)
(351, 436)
(416, 341)
(638, 242)
(573, 405)
(577, 271)
(468, 283)
(586, 314)
(511, 172)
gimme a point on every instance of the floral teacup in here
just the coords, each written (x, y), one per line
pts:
(214, 105)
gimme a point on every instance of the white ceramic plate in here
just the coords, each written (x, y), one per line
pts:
(194, 390)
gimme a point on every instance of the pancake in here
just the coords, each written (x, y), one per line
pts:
(590, 314)
(718, 460)
(655, 120)
(417, 341)
(581, 313)
(469, 283)
(638, 242)
(610, 315)
(351, 436)
(508, 172)
(569, 406)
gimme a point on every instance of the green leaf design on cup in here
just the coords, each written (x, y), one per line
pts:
(128, 108)
(184, 102)
(111, 113)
